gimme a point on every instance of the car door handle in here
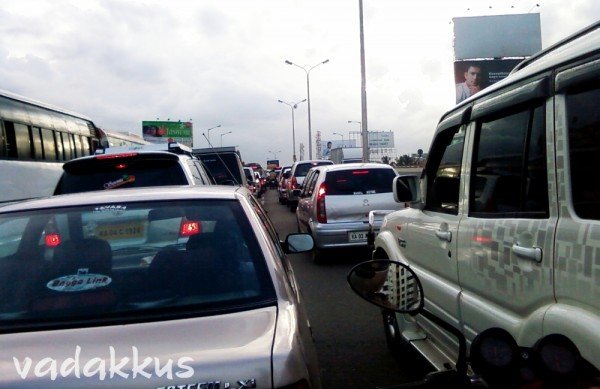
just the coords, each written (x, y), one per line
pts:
(444, 235)
(533, 253)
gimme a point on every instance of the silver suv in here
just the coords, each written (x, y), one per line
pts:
(132, 167)
(297, 174)
(505, 232)
(335, 202)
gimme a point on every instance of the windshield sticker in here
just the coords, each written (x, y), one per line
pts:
(79, 282)
(115, 209)
(120, 182)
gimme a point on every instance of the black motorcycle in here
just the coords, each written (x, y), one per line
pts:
(495, 360)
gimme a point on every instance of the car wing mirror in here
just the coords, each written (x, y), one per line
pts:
(406, 189)
(388, 284)
(298, 243)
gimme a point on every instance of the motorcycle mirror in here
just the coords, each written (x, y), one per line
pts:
(388, 284)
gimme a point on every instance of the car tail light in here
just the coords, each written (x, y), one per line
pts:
(113, 156)
(360, 172)
(321, 212)
(52, 240)
(294, 183)
(189, 228)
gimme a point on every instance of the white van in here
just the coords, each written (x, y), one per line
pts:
(503, 226)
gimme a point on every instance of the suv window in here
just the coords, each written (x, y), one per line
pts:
(509, 168)
(584, 149)
(443, 173)
(98, 174)
(359, 181)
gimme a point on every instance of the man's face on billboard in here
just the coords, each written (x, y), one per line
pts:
(473, 76)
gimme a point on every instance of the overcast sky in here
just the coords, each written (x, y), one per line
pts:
(222, 62)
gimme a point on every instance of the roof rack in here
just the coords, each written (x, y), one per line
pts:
(560, 43)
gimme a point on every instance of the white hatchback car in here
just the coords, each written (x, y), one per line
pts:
(335, 202)
(151, 287)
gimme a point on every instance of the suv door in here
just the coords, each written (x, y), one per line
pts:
(506, 238)
(427, 237)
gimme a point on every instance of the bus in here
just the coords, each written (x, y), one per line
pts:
(120, 139)
(35, 139)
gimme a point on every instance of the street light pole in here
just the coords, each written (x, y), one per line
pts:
(342, 135)
(293, 106)
(307, 71)
(225, 133)
(208, 133)
(363, 94)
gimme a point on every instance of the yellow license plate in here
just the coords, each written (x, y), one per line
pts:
(120, 231)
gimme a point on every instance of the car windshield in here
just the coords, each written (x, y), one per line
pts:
(99, 174)
(126, 261)
(359, 181)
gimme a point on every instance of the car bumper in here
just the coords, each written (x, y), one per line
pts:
(337, 235)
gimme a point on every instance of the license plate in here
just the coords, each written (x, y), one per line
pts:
(359, 236)
(120, 231)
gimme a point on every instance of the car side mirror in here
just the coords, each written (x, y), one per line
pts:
(298, 243)
(296, 192)
(406, 189)
(388, 284)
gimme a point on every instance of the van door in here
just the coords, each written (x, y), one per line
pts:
(506, 241)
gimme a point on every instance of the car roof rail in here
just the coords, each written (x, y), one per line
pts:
(172, 147)
(553, 47)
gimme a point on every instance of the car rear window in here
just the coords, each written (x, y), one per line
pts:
(102, 174)
(359, 181)
(128, 261)
(224, 167)
(303, 168)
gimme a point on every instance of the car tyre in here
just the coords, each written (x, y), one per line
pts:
(318, 257)
(393, 337)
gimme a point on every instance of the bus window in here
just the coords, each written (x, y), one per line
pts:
(23, 142)
(49, 145)
(36, 137)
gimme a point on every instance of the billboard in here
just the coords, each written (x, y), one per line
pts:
(381, 139)
(162, 131)
(472, 76)
(497, 36)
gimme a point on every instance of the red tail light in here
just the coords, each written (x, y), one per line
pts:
(52, 240)
(321, 212)
(189, 228)
(294, 183)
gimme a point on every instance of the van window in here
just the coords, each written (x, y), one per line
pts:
(509, 168)
(584, 152)
(303, 168)
(224, 167)
(359, 181)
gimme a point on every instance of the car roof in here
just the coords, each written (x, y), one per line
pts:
(184, 192)
(352, 166)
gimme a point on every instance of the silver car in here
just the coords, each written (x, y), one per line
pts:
(297, 174)
(151, 287)
(335, 202)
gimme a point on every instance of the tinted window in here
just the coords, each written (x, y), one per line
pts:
(443, 171)
(129, 262)
(89, 175)
(224, 167)
(359, 181)
(303, 168)
(584, 151)
(510, 166)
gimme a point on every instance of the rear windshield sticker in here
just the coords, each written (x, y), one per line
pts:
(120, 182)
(79, 282)
(116, 209)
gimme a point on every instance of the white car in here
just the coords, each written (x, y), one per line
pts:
(335, 202)
(160, 287)
(503, 227)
